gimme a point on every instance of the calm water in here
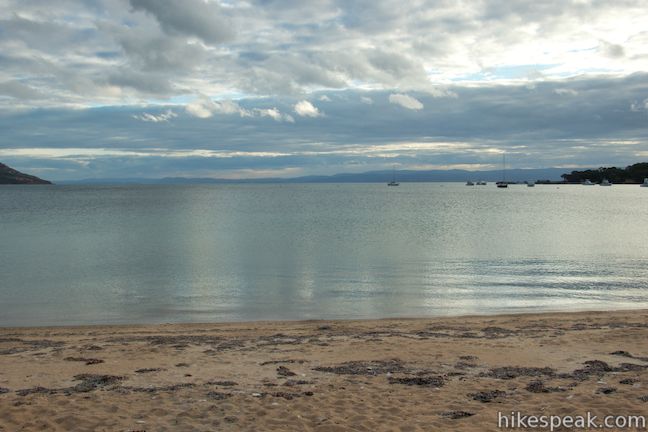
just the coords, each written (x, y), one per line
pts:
(131, 254)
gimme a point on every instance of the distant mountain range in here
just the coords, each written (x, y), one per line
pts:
(513, 175)
(11, 176)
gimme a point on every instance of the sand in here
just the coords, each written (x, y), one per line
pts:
(445, 374)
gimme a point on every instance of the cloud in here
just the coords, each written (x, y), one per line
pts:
(201, 107)
(275, 114)
(366, 100)
(596, 128)
(196, 18)
(639, 106)
(405, 101)
(441, 93)
(16, 90)
(205, 107)
(566, 92)
(611, 50)
(160, 118)
(306, 109)
(325, 98)
(92, 53)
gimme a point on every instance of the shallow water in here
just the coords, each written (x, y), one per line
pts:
(189, 253)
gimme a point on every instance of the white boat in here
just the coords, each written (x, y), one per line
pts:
(587, 183)
(469, 183)
(531, 184)
(645, 183)
(606, 182)
(393, 182)
(481, 183)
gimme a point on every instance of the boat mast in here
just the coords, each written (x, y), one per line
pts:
(504, 167)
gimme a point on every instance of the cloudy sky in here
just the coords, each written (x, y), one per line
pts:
(155, 88)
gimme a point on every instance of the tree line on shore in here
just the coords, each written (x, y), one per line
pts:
(631, 174)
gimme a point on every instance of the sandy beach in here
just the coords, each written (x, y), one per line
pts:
(381, 375)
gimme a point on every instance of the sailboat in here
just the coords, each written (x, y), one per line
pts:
(393, 182)
(503, 184)
(645, 183)
(606, 182)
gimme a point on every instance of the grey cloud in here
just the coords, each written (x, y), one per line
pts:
(160, 53)
(16, 90)
(577, 121)
(611, 50)
(189, 17)
(148, 83)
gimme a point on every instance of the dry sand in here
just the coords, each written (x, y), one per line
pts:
(445, 374)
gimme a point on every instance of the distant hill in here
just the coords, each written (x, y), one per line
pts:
(11, 176)
(514, 175)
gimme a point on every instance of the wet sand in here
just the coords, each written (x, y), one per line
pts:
(382, 375)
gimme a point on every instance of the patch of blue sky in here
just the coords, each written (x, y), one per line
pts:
(505, 72)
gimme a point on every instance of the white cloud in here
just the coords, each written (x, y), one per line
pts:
(441, 93)
(366, 100)
(639, 106)
(405, 101)
(205, 107)
(201, 107)
(306, 109)
(130, 52)
(275, 114)
(163, 117)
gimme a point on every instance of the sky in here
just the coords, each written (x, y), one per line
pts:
(285, 88)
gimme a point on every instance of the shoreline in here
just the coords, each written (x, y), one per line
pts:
(407, 374)
(317, 320)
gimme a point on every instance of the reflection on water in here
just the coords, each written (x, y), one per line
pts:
(99, 254)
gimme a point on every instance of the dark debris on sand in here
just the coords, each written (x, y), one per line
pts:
(218, 395)
(283, 371)
(169, 388)
(370, 368)
(288, 361)
(487, 396)
(606, 390)
(28, 345)
(222, 383)
(628, 355)
(539, 387)
(91, 382)
(4, 390)
(36, 390)
(148, 370)
(290, 396)
(87, 361)
(629, 381)
(511, 372)
(91, 348)
(429, 381)
(599, 368)
(292, 383)
(454, 415)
